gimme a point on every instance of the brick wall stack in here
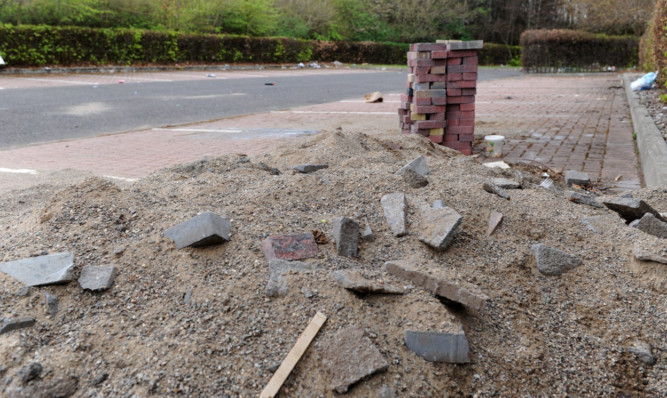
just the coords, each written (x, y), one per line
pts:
(440, 99)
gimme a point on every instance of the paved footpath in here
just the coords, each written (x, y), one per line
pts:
(563, 122)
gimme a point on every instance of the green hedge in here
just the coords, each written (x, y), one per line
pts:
(653, 45)
(571, 50)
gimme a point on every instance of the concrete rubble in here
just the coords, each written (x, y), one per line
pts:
(644, 253)
(643, 352)
(494, 221)
(439, 346)
(413, 179)
(551, 261)
(51, 302)
(652, 226)
(418, 165)
(439, 226)
(346, 236)
(393, 206)
(354, 281)
(51, 269)
(367, 234)
(205, 229)
(631, 209)
(97, 277)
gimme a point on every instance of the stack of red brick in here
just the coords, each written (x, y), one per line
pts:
(440, 98)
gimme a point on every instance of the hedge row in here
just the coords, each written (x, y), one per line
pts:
(653, 45)
(572, 50)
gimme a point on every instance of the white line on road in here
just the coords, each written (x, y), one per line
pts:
(337, 112)
(18, 171)
(58, 81)
(144, 78)
(192, 76)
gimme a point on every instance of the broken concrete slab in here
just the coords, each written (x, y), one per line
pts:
(11, 324)
(354, 281)
(393, 205)
(490, 188)
(573, 177)
(51, 304)
(583, 199)
(506, 183)
(97, 277)
(346, 236)
(277, 285)
(439, 347)
(440, 287)
(440, 226)
(43, 270)
(349, 357)
(310, 168)
(631, 209)
(417, 165)
(643, 253)
(494, 221)
(290, 247)
(551, 261)
(205, 229)
(651, 225)
(413, 179)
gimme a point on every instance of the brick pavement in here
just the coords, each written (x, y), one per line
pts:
(563, 122)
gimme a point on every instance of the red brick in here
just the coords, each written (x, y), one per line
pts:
(463, 84)
(466, 151)
(453, 122)
(439, 70)
(439, 54)
(290, 247)
(427, 78)
(415, 130)
(467, 107)
(429, 47)
(470, 76)
(453, 108)
(403, 112)
(466, 122)
(460, 100)
(429, 124)
(453, 61)
(462, 53)
(412, 55)
(453, 92)
(422, 70)
(435, 138)
(468, 91)
(450, 138)
(462, 69)
(453, 77)
(421, 101)
(424, 55)
(436, 116)
(405, 98)
(467, 137)
(439, 101)
(467, 114)
(460, 130)
(470, 61)
(429, 109)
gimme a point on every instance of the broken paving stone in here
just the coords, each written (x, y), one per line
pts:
(393, 205)
(205, 229)
(349, 357)
(646, 254)
(440, 226)
(11, 324)
(417, 165)
(413, 179)
(30, 372)
(438, 347)
(310, 168)
(651, 225)
(506, 183)
(290, 247)
(51, 304)
(97, 277)
(354, 281)
(631, 209)
(643, 352)
(277, 285)
(573, 177)
(43, 270)
(583, 199)
(437, 286)
(490, 188)
(494, 221)
(552, 261)
(346, 236)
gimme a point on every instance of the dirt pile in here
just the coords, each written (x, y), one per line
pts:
(197, 322)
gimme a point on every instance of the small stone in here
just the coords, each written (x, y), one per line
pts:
(413, 179)
(277, 284)
(309, 168)
(417, 165)
(490, 188)
(290, 247)
(494, 221)
(651, 225)
(393, 206)
(118, 251)
(187, 297)
(346, 236)
(97, 277)
(438, 347)
(552, 261)
(51, 304)
(30, 372)
(272, 170)
(506, 183)
(43, 270)
(440, 227)
(354, 281)
(580, 198)
(60, 388)
(11, 324)
(631, 209)
(23, 291)
(349, 357)
(367, 234)
(573, 177)
(205, 229)
(643, 352)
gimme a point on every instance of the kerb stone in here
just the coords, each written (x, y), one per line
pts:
(393, 205)
(346, 235)
(552, 261)
(440, 227)
(438, 347)
(290, 247)
(97, 277)
(43, 270)
(205, 229)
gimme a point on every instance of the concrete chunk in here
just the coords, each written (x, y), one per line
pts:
(205, 229)
(349, 357)
(11, 324)
(573, 177)
(506, 183)
(631, 209)
(367, 233)
(437, 286)
(417, 165)
(552, 261)
(494, 221)
(290, 247)
(43, 270)
(97, 277)
(583, 199)
(354, 281)
(651, 225)
(393, 206)
(346, 236)
(438, 347)
(310, 168)
(440, 226)
(490, 188)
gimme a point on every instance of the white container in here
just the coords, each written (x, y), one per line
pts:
(494, 145)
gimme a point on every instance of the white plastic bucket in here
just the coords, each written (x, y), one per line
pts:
(494, 145)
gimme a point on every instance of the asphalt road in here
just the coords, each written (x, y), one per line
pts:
(43, 114)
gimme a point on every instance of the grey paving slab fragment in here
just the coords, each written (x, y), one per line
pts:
(551, 261)
(643, 253)
(506, 183)
(51, 302)
(418, 165)
(205, 229)
(367, 234)
(651, 225)
(577, 178)
(393, 205)
(346, 236)
(580, 198)
(413, 179)
(490, 188)
(11, 324)
(350, 357)
(630, 209)
(309, 168)
(439, 347)
(43, 270)
(277, 284)
(440, 287)
(439, 227)
(494, 221)
(97, 277)
(354, 281)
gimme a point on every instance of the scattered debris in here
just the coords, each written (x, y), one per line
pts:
(618, 177)
(583, 199)
(346, 236)
(97, 277)
(373, 97)
(43, 270)
(440, 226)
(310, 168)
(11, 324)
(631, 209)
(651, 225)
(350, 357)
(205, 229)
(573, 177)
(354, 281)
(290, 247)
(552, 261)
(418, 165)
(490, 188)
(494, 221)
(439, 347)
(393, 205)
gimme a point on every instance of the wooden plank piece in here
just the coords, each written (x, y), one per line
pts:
(290, 361)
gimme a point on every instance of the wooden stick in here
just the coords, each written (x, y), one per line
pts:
(293, 356)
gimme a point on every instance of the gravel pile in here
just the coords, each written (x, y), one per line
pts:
(198, 322)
